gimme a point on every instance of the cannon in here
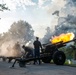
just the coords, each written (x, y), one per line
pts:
(48, 53)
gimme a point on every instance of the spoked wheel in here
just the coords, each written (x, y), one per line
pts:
(59, 58)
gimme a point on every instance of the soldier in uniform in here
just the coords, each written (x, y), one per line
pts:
(28, 51)
(37, 46)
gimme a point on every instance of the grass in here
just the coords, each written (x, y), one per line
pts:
(69, 63)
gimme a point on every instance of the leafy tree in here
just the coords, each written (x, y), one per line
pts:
(21, 31)
(74, 50)
(3, 7)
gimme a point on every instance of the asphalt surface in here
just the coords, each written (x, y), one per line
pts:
(43, 69)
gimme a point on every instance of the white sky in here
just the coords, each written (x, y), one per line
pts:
(38, 13)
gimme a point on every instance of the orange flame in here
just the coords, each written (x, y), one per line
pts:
(62, 37)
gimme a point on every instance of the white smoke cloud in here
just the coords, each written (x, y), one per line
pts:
(67, 23)
(19, 33)
(64, 16)
(57, 5)
(11, 49)
(71, 19)
(14, 4)
(44, 4)
(41, 2)
(65, 7)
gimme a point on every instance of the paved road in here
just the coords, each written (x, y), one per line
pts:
(43, 69)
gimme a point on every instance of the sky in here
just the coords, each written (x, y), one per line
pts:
(37, 13)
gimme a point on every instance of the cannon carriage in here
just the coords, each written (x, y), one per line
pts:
(48, 53)
(52, 50)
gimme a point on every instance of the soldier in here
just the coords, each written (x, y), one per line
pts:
(28, 51)
(37, 46)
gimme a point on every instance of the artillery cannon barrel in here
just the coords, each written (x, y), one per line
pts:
(69, 41)
(58, 44)
(52, 44)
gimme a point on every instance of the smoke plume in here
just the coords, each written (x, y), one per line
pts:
(10, 42)
(10, 49)
(64, 17)
(67, 23)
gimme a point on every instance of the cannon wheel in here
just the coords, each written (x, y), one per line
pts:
(46, 59)
(59, 58)
(22, 63)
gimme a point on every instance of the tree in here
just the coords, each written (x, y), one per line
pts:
(3, 7)
(21, 31)
(74, 50)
